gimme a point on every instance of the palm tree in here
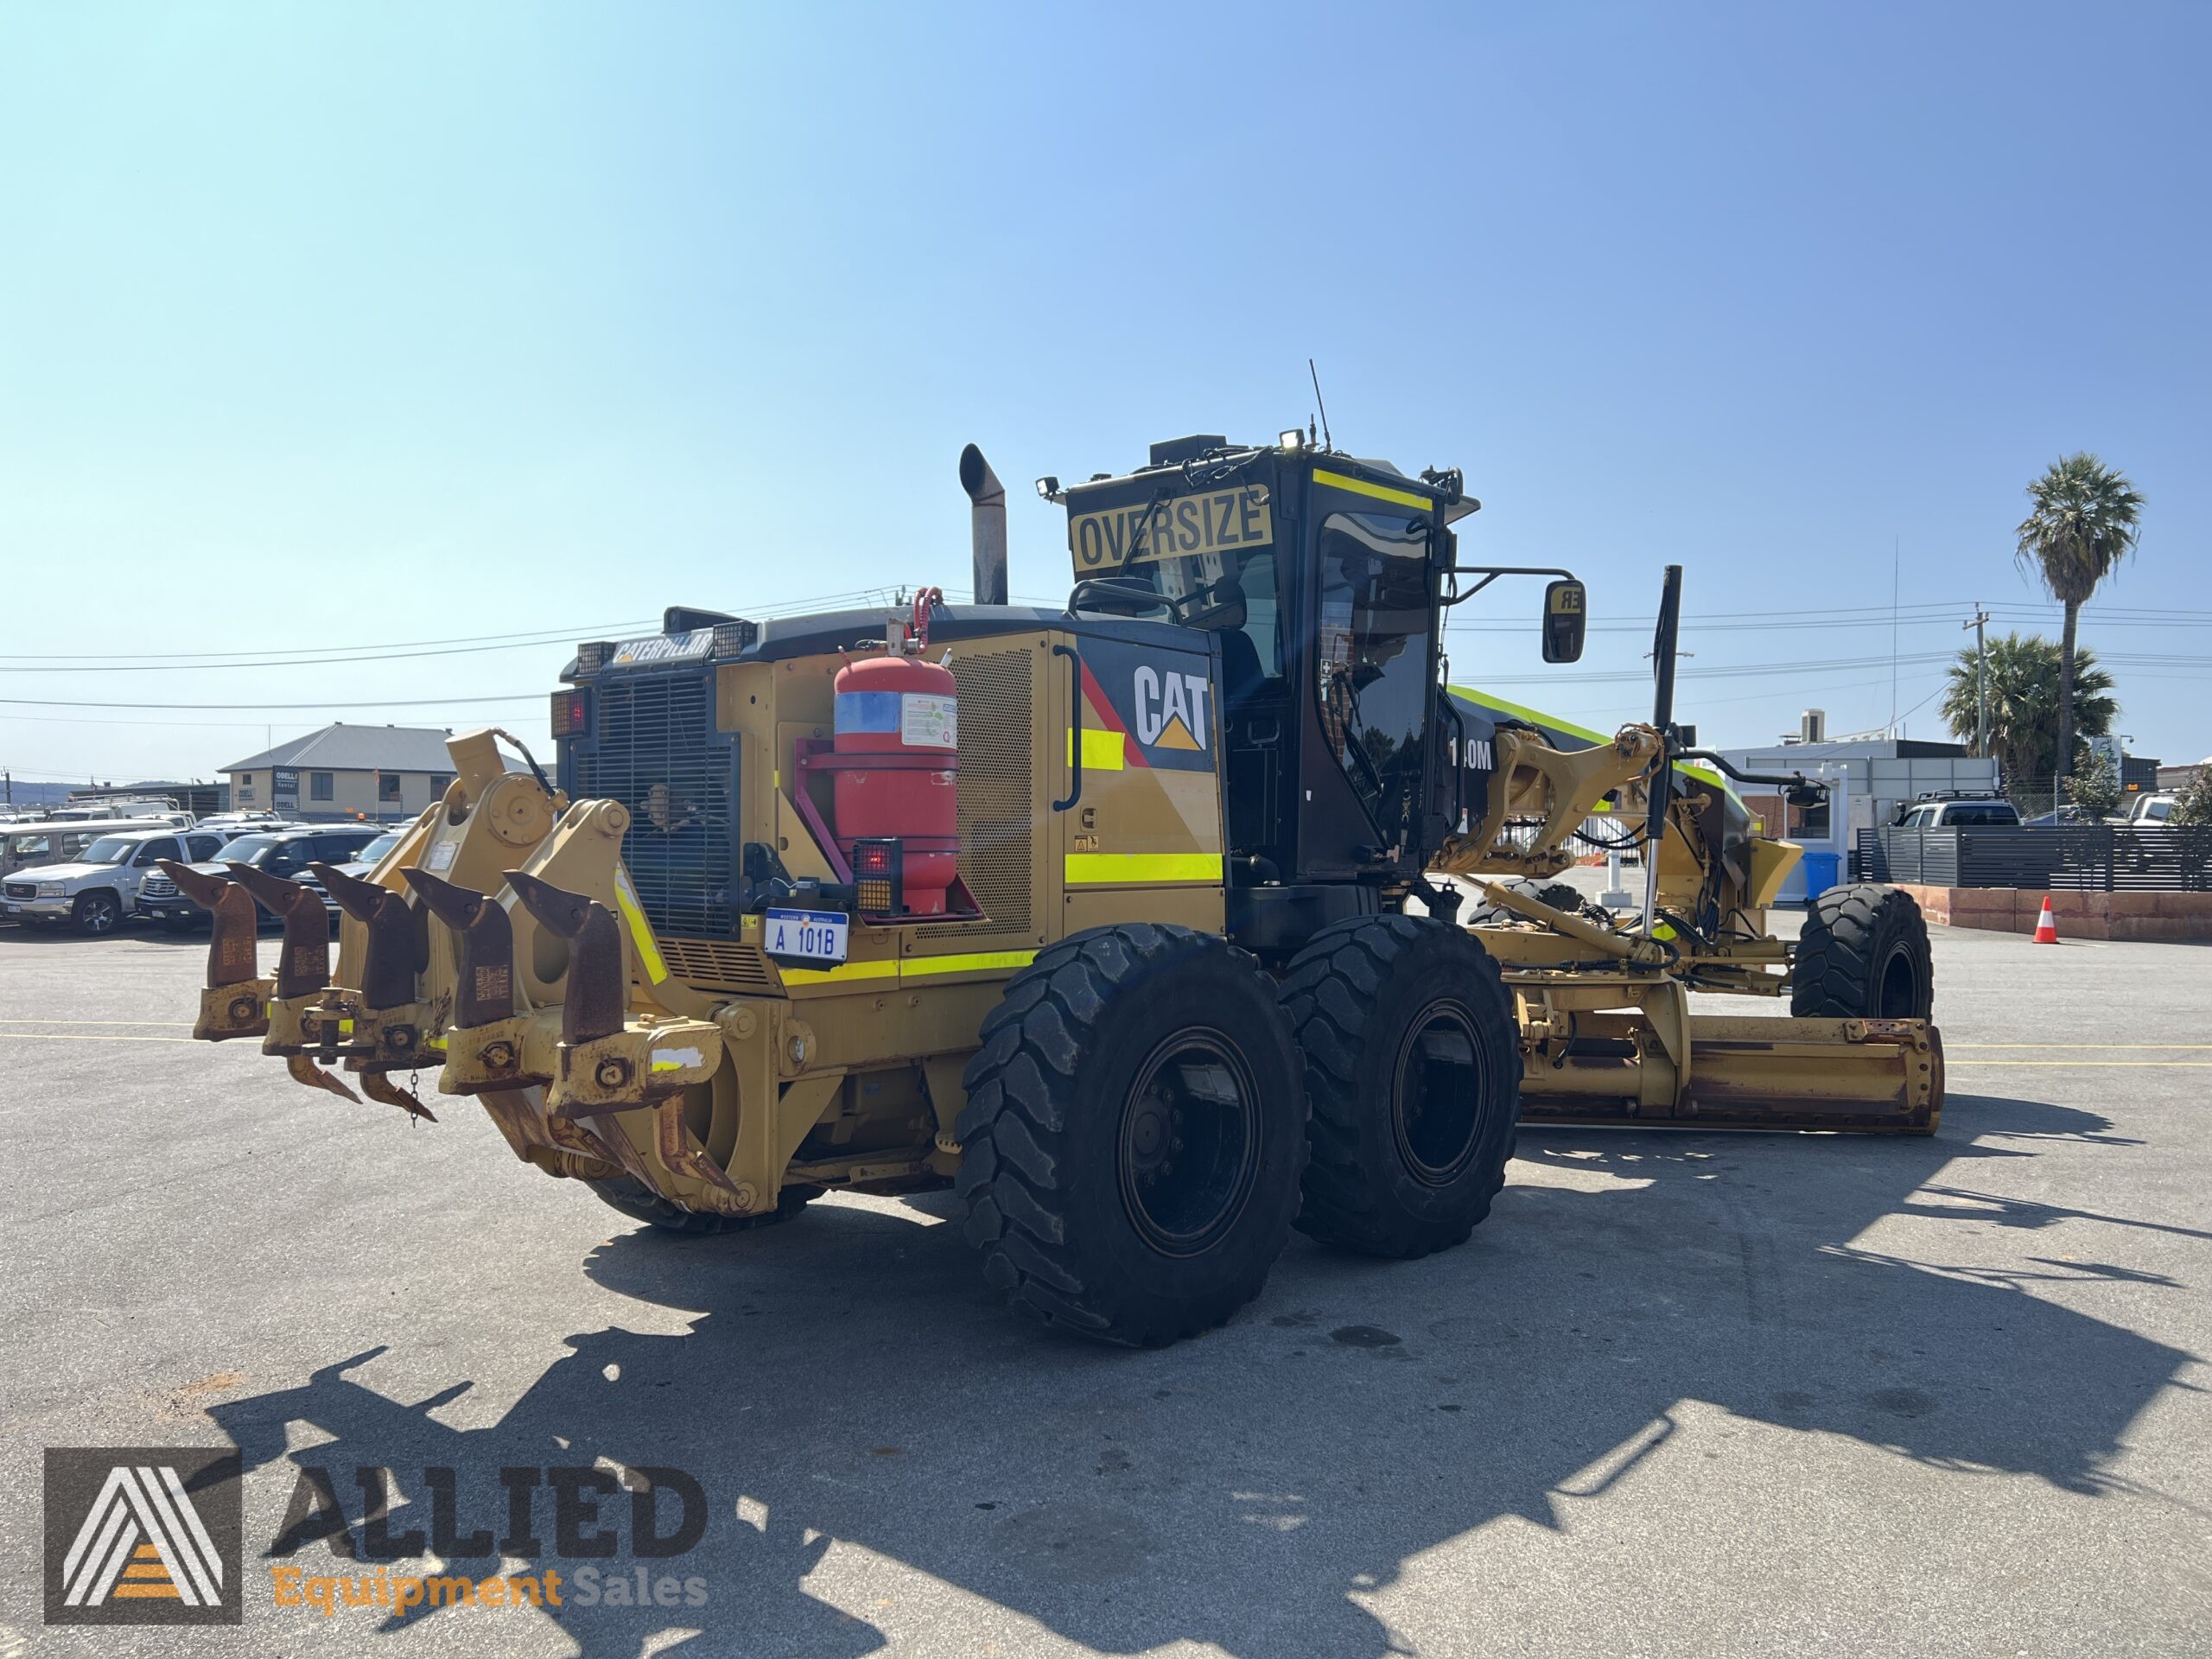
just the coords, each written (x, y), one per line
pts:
(2085, 520)
(2024, 674)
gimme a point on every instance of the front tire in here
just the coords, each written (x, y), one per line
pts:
(1133, 1134)
(96, 913)
(1412, 1071)
(1555, 895)
(641, 1203)
(1863, 954)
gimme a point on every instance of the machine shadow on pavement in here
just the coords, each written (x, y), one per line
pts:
(848, 1377)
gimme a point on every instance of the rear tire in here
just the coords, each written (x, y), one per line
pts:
(641, 1203)
(1412, 1071)
(1863, 955)
(1133, 1134)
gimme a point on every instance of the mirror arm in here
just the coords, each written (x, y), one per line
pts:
(1490, 573)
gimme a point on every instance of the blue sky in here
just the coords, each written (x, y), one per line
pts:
(325, 329)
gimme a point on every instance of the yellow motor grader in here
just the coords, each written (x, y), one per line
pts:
(1126, 919)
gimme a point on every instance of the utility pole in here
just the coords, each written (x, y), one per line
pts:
(1980, 681)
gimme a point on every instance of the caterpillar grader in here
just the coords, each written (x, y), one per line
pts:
(1136, 921)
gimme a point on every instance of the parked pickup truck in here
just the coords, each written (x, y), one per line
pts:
(96, 892)
(26, 844)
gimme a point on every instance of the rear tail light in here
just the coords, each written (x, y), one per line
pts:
(879, 876)
(571, 713)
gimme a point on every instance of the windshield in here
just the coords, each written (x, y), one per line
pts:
(109, 850)
(248, 850)
(375, 849)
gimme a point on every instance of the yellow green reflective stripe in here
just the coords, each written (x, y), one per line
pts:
(1521, 711)
(1380, 492)
(976, 962)
(1084, 868)
(641, 932)
(844, 972)
(1102, 751)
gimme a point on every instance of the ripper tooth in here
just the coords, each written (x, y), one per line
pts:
(484, 948)
(598, 990)
(394, 957)
(304, 966)
(235, 1003)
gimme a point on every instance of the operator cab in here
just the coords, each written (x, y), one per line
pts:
(1323, 579)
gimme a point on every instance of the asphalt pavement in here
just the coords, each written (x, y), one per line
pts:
(1700, 1394)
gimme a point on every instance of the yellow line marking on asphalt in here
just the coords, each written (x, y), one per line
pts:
(2095, 1045)
(180, 1025)
(2093, 1065)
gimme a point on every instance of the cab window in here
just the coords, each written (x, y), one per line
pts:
(1372, 658)
(203, 847)
(160, 846)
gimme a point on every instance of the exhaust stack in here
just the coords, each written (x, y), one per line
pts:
(987, 524)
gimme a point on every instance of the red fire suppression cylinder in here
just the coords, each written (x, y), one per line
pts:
(898, 761)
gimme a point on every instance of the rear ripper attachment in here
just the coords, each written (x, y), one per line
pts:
(522, 991)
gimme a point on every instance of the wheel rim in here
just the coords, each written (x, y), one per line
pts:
(97, 917)
(1439, 1094)
(1898, 992)
(1189, 1142)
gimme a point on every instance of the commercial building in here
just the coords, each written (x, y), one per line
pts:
(383, 773)
(1876, 777)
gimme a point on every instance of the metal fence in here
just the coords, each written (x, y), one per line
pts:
(2091, 858)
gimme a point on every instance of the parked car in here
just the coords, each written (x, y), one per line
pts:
(100, 889)
(2061, 817)
(27, 845)
(1952, 814)
(360, 864)
(2150, 811)
(280, 852)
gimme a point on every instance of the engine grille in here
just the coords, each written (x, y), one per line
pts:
(156, 885)
(997, 802)
(23, 889)
(656, 750)
(720, 965)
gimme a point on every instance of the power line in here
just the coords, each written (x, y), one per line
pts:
(280, 708)
(96, 659)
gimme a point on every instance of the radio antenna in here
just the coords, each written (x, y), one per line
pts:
(1327, 443)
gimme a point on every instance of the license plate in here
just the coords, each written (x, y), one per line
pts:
(805, 935)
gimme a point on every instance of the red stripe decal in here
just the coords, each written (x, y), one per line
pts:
(1102, 707)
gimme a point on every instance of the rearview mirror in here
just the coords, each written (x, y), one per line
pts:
(1566, 615)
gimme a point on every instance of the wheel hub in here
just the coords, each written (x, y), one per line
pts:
(1189, 1143)
(1439, 1100)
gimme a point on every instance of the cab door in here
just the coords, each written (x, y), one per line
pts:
(1370, 677)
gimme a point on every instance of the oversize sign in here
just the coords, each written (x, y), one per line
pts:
(1219, 522)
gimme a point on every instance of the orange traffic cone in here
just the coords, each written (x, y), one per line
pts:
(2046, 925)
